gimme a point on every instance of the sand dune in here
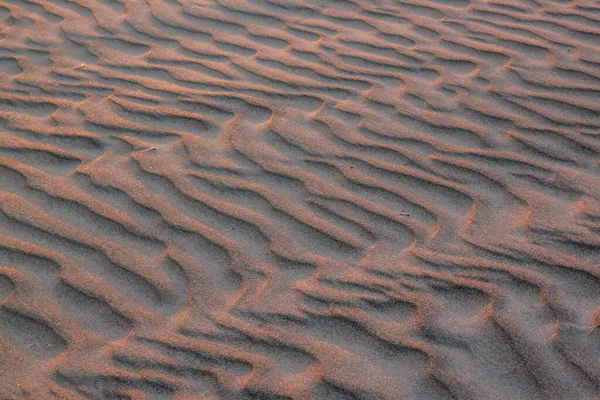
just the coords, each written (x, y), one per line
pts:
(299, 199)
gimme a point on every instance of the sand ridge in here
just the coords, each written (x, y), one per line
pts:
(299, 199)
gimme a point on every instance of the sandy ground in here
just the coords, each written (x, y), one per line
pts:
(299, 199)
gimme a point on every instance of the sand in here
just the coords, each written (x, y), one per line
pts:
(300, 199)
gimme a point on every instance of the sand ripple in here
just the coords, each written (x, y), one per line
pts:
(299, 199)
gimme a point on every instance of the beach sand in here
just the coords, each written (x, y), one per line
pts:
(300, 199)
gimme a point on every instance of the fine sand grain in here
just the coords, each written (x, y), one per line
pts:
(300, 199)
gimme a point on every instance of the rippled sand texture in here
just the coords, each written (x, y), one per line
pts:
(299, 199)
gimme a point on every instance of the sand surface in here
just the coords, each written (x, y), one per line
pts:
(300, 199)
